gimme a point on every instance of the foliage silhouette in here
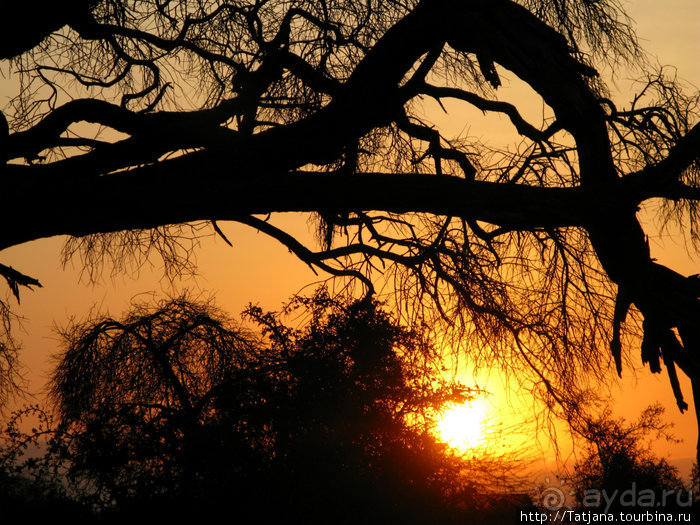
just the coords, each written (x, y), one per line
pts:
(618, 474)
(214, 111)
(174, 411)
(33, 483)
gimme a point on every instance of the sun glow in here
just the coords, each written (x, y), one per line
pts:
(463, 427)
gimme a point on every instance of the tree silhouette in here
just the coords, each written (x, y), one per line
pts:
(616, 463)
(174, 410)
(214, 111)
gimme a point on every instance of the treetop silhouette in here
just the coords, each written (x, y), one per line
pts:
(229, 111)
(174, 410)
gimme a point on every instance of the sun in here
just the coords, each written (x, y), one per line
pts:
(463, 427)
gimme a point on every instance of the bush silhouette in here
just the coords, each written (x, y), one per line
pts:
(618, 473)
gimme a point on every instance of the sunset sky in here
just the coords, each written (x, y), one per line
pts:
(259, 270)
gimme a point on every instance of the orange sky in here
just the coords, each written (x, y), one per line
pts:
(259, 270)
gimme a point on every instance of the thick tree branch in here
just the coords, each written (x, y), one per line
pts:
(664, 178)
(16, 279)
(25, 25)
(524, 128)
(169, 193)
(200, 126)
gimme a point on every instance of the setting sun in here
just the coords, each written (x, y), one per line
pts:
(463, 426)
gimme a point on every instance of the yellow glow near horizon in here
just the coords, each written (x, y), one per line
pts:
(463, 427)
